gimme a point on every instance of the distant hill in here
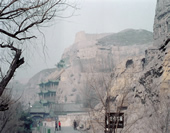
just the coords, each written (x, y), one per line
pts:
(127, 37)
(39, 77)
(29, 91)
(17, 88)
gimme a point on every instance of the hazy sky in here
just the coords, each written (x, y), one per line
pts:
(94, 16)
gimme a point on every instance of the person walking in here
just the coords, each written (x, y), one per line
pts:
(56, 126)
(59, 124)
(75, 125)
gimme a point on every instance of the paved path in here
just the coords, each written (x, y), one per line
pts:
(67, 130)
(64, 130)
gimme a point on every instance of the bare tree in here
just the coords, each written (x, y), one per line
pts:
(18, 20)
(109, 93)
(9, 119)
(100, 100)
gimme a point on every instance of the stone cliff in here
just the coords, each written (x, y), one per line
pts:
(146, 94)
(89, 55)
(162, 22)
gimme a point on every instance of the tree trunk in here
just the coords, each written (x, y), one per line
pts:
(17, 61)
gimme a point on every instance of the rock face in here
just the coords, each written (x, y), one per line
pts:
(146, 93)
(162, 22)
(90, 56)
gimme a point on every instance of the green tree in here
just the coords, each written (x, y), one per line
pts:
(26, 123)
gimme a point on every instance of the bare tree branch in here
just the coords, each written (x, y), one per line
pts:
(18, 18)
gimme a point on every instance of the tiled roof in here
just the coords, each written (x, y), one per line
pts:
(52, 90)
(43, 101)
(50, 81)
(38, 108)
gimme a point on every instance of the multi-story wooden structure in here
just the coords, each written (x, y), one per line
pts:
(47, 94)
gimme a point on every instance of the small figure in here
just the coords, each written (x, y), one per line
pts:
(75, 125)
(56, 126)
(59, 124)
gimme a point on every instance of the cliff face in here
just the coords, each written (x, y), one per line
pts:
(162, 38)
(162, 22)
(146, 93)
(90, 56)
(102, 53)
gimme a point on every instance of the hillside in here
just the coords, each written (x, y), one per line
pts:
(127, 37)
(31, 89)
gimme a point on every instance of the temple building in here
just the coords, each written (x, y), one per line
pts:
(47, 94)
(38, 111)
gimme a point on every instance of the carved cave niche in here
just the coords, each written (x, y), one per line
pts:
(129, 63)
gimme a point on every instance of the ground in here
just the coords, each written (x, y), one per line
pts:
(63, 130)
(68, 130)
